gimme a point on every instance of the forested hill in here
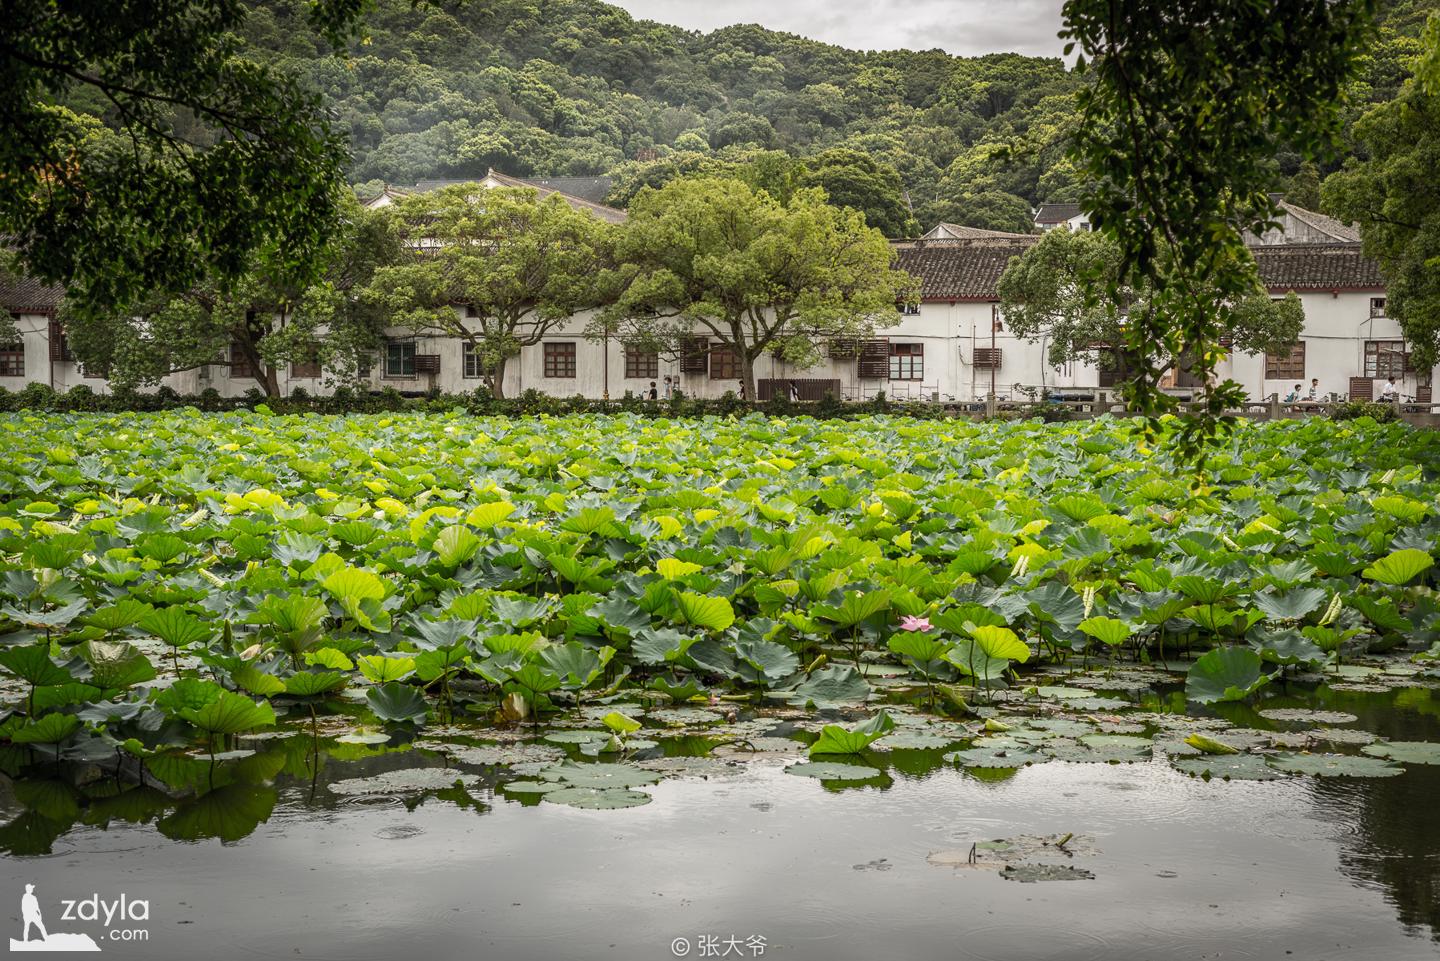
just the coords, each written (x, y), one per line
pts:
(571, 87)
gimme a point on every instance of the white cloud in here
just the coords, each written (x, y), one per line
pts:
(964, 27)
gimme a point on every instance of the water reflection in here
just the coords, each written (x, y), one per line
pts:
(1384, 835)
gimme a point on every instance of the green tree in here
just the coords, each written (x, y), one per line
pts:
(267, 316)
(496, 268)
(1394, 196)
(1187, 107)
(1304, 188)
(209, 160)
(714, 258)
(1043, 296)
(991, 209)
(857, 180)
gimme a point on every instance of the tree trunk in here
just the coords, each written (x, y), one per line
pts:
(747, 375)
(271, 382)
(497, 378)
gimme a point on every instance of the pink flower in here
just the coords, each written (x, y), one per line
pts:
(908, 623)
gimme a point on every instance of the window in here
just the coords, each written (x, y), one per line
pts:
(12, 360)
(908, 309)
(310, 367)
(1386, 358)
(364, 365)
(724, 364)
(1286, 366)
(907, 361)
(641, 364)
(400, 358)
(694, 359)
(1377, 306)
(473, 362)
(560, 359)
(239, 360)
(59, 343)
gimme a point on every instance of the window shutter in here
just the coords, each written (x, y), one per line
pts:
(57, 340)
(988, 358)
(695, 356)
(874, 359)
(1362, 388)
(427, 363)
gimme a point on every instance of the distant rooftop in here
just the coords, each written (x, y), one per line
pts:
(578, 192)
(949, 231)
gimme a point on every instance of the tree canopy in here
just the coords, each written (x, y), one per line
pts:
(147, 149)
(716, 258)
(264, 318)
(1394, 196)
(1043, 297)
(1189, 103)
(497, 268)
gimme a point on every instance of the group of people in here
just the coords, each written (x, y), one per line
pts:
(671, 387)
(1389, 394)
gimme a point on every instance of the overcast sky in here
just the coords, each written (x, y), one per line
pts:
(958, 26)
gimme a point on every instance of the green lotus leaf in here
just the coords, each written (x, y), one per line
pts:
(32, 663)
(1400, 567)
(831, 687)
(700, 610)
(833, 771)
(853, 738)
(1106, 630)
(50, 729)
(230, 713)
(1406, 752)
(1225, 674)
(1335, 765)
(396, 702)
(596, 799)
(314, 683)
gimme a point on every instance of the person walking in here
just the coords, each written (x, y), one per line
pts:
(653, 394)
(794, 392)
(1314, 389)
(669, 388)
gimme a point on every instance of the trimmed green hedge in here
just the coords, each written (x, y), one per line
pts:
(41, 397)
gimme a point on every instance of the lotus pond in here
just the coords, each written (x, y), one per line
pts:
(358, 686)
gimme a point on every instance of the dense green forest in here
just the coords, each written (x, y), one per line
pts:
(579, 87)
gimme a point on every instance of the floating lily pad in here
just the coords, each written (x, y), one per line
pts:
(1406, 752)
(532, 787)
(1229, 767)
(914, 741)
(993, 758)
(576, 737)
(599, 775)
(1031, 873)
(597, 799)
(833, 771)
(1340, 735)
(1293, 715)
(1117, 742)
(1335, 765)
(364, 737)
(404, 781)
(1065, 693)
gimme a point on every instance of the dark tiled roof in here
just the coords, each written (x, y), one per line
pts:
(966, 232)
(1056, 213)
(26, 295)
(971, 269)
(1323, 223)
(593, 189)
(960, 269)
(1317, 267)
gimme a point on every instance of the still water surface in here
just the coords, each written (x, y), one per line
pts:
(1304, 868)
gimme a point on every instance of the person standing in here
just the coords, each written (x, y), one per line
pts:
(794, 392)
(653, 394)
(669, 388)
(30, 913)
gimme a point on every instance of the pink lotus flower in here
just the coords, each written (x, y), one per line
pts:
(908, 623)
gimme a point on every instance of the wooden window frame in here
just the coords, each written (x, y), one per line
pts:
(641, 364)
(387, 371)
(12, 359)
(559, 359)
(724, 362)
(1289, 366)
(470, 361)
(907, 361)
(1381, 359)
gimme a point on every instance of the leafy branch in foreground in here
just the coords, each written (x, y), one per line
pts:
(1188, 103)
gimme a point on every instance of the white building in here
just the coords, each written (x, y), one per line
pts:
(952, 346)
(1050, 216)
